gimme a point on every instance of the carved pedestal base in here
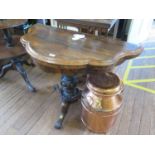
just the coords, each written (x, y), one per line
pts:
(17, 64)
(69, 94)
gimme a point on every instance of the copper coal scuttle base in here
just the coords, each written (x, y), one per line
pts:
(101, 102)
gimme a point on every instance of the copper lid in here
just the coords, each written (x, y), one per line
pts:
(105, 83)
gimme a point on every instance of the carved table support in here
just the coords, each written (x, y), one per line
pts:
(17, 64)
(64, 53)
(69, 94)
(5, 68)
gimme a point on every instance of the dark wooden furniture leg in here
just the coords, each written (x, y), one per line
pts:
(19, 67)
(5, 68)
(69, 94)
(17, 64)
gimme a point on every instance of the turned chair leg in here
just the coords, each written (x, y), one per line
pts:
(19, 67)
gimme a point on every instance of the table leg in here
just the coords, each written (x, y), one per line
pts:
(69, 94)
(8, 37)
(18, 65)
(5, 68)
(64, 110)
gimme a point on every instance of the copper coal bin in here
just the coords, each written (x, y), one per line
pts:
(101, 101)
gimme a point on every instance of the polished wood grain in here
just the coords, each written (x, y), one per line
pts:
(22, 112)
(54, 48)
(12, 52)
(10, 23)
(15, 50)
(71, 53)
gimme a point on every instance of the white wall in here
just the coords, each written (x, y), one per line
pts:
(139, 30)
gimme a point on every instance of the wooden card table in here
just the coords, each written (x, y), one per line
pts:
(69, 53)
(12, 50)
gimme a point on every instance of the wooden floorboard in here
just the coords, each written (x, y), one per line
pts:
(23, 112)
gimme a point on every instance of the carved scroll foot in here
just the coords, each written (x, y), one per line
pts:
(69, 94)
(64, 110)
(19, 67)
(5, 68)
(17, 64)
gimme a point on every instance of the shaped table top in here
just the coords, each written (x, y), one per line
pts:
(65, 49)
(10, 23)
(11, 52)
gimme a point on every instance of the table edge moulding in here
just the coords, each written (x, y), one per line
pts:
(69, 53)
